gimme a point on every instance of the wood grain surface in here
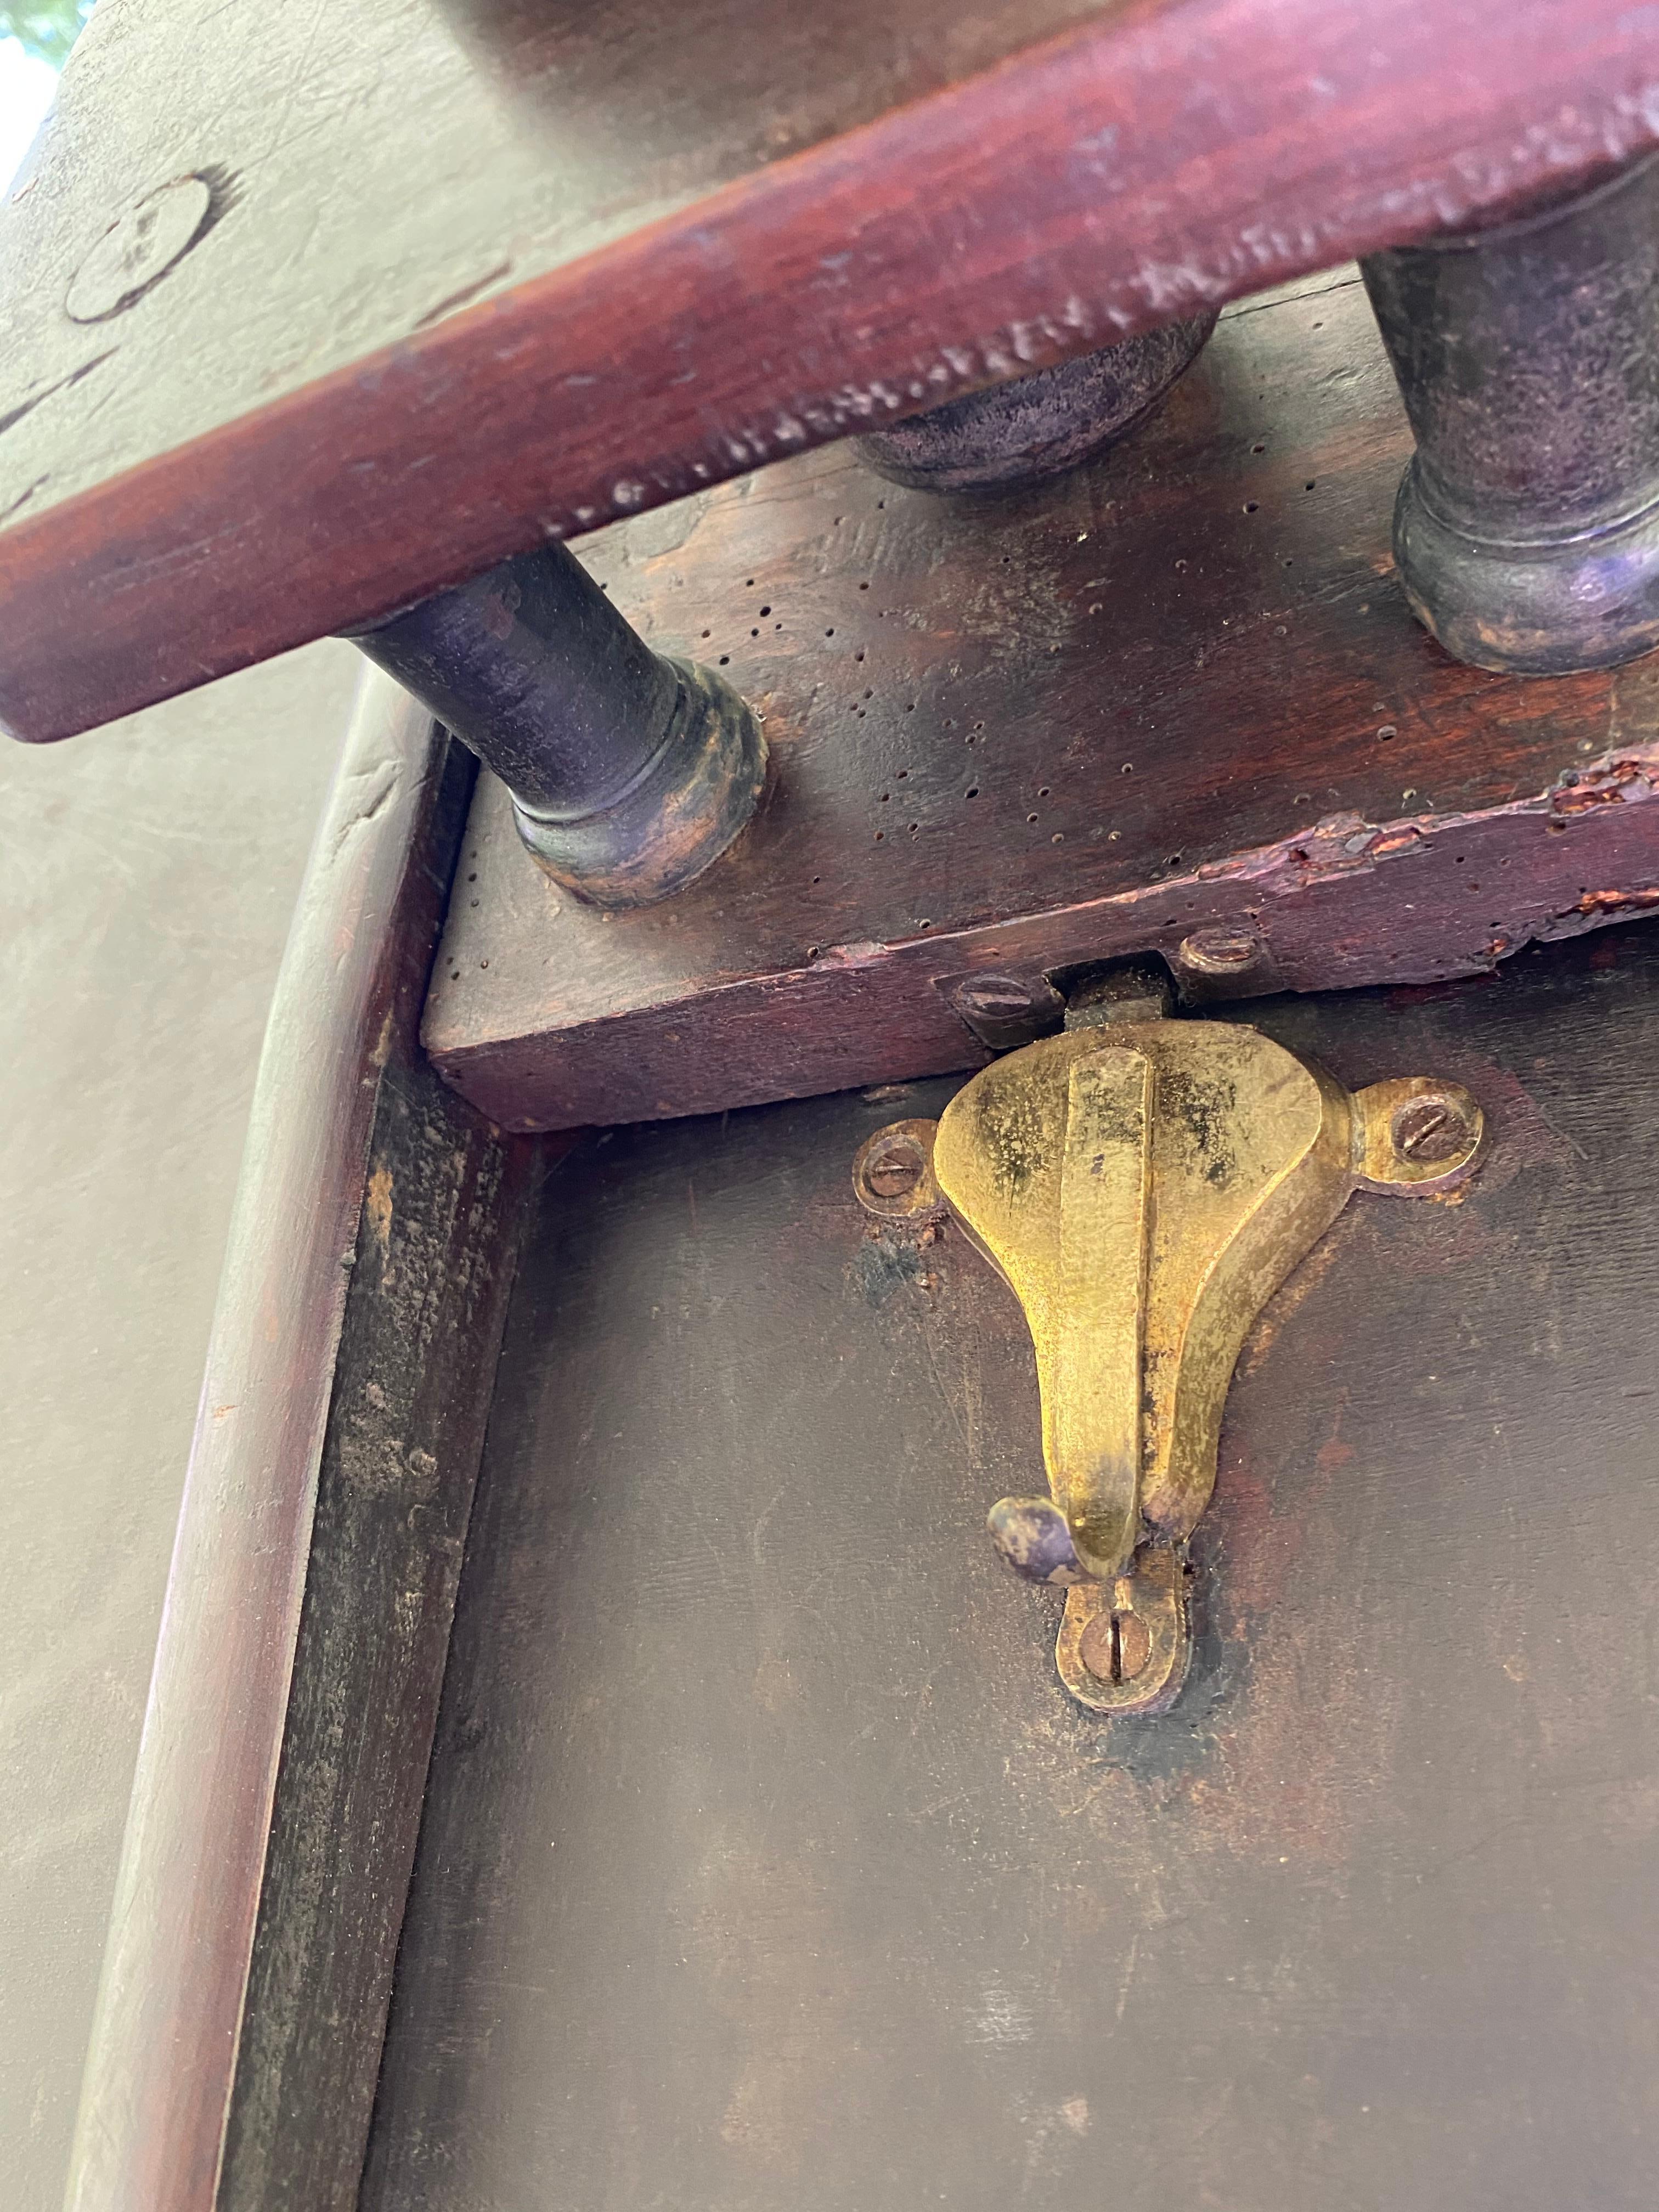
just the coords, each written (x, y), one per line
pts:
(214, 1908)
(474, 275)
(1178, 690)
(416, 1370)
(765, 1862)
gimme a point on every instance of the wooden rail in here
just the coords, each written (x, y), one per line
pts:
(183, 496)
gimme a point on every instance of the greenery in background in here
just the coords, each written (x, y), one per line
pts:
(48, 28)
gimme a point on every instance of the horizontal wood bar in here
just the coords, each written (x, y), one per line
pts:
(1178, 691)
(191, 484)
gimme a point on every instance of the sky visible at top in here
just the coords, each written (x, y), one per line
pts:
(27, 84)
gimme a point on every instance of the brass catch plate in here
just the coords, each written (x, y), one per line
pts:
(1145, 1186)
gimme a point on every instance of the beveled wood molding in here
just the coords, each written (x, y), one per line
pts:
(267, 1847)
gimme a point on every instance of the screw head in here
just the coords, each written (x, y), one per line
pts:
(1000, 998)
(893, 1172)
(897, 1169)
(1416, 1136)
(1219, 952)
(1007, 1011)
(1115, 1646)
(1429, 1129)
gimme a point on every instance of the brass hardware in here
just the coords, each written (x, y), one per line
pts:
(1122, 1647)
(893, 1173)
(1145, 1186)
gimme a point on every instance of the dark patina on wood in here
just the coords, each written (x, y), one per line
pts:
(1174, 700)
(652, 251)
(416, 1371)
(766, 1863)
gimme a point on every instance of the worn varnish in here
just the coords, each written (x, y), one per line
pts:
(764, 1859)
(475, 274)
(435, 1256)
(1179, 689)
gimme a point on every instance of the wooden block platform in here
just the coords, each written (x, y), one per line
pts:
(1179, 690)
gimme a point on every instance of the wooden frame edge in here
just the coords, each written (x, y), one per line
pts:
(162, 2072)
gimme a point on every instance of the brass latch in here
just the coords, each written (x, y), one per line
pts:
(1145, 1185)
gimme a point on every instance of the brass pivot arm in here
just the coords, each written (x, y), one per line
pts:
(1145, 1186)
